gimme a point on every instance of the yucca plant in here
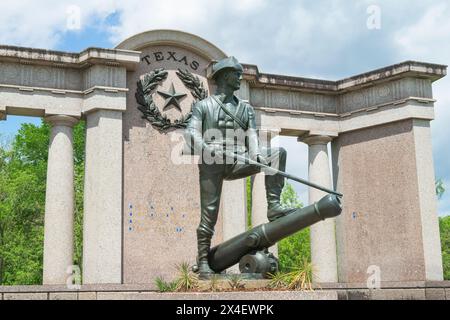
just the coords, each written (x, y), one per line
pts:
(278, 280)
(187, 280)
(214, 283)
(299, 278)
(235, 282)
(164, 286)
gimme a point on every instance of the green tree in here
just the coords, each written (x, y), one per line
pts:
(23, 172)
(22, 194)
(440, 188)
(289, 198)
(79, 134)
(444, 226)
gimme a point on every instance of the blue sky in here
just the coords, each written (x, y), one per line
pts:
(327, 39)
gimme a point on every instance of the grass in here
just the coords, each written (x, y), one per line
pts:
(235, 282)
(187, 280)
(298, 278)
(164, 286)
(214, 283)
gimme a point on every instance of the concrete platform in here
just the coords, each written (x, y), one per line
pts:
(255, 291)
(113, 292)
(414, 290)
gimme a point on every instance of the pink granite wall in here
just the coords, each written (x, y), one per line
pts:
(161, 199)
(380, 225)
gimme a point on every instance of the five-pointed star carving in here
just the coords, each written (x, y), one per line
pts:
(172, 98)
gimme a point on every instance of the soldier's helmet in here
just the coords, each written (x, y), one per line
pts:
(227, 63)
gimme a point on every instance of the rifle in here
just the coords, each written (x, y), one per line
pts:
(276, 171)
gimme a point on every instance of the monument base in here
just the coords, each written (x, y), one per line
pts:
(145, 292)
(391, 290)
(254, 290)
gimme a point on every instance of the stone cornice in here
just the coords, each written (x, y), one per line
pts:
(409, 110)
(323, 115)
(297, 112)
(405, 69)
(391, 104)
(266, 80)
(91, 56)
(331, 125)
(419, 100)
(416, 69)
(66, 91)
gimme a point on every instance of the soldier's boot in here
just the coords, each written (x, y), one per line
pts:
(204, 244)
(204, 268)
(274, 187)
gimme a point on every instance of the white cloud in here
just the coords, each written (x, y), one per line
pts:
(427, 39)
(24, 23)
(291, 34)
(429, 36)
(295, 37)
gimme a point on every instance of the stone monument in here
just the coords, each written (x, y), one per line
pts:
(160, 196)
(141, 209)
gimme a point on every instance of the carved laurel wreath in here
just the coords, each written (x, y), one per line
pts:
(146, 87)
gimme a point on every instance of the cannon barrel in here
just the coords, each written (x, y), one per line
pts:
(263, 236)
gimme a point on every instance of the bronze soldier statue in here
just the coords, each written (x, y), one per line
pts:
(208, 131)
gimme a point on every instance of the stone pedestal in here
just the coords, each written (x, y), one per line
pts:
(427, 198)
(161, 190)
(59, 201)
(388, 229)
(323, 240)
(102, 232)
